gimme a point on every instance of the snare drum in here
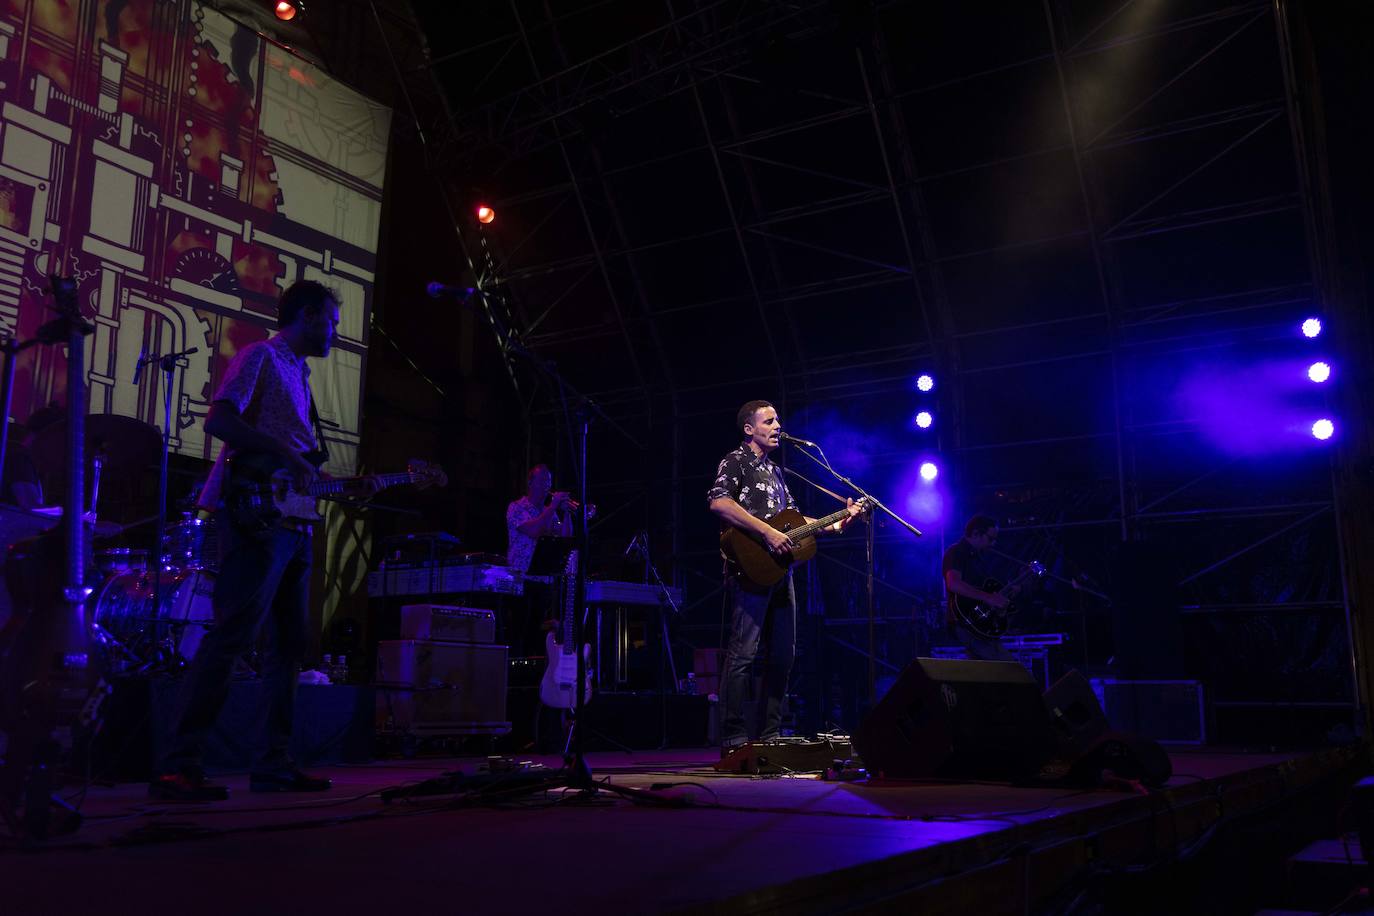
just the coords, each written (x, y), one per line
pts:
(115, 560)
(125, 610)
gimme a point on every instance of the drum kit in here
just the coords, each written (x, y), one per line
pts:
(149, 617)
(150, 626)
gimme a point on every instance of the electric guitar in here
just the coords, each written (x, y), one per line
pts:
(762, 567)
(987, 621)
(557, 688)
(259, 491)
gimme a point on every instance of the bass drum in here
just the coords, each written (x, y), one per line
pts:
(167, 636)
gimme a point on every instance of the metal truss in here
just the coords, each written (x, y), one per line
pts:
(704, 53)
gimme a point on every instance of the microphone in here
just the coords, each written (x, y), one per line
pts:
(790, 438)
(634, 541)
(138, 367)
(437, 290)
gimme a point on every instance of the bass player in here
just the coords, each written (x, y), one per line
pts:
(262, 405)
(749, 490)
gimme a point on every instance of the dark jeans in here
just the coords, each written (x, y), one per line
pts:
(768, 616)
(980, 647)
(264, 579)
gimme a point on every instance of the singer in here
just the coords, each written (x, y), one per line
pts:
(748, 490)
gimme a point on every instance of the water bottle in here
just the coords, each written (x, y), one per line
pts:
(691, 683)
(341, 667)
(327, 665)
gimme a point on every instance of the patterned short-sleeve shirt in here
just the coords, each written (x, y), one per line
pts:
(269, 385)
(519, 546)
(753, 481)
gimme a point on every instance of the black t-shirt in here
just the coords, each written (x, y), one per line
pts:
(961, 556)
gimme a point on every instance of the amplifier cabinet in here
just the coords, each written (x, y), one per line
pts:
(447, 623)
(426, 663)
(405, 710)
(437, 686)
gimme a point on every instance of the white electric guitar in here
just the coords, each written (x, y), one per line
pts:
(557, 689)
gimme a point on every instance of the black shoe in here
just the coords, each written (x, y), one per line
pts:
(287, 781)
(187, 786)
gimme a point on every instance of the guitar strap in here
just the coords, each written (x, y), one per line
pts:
(321, 451)
(805, 479)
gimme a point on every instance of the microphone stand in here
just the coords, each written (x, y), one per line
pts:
(168, 363)
(53, 690)
(824, 463)
(576, 774)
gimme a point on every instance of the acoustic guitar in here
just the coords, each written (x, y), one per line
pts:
(763, 568)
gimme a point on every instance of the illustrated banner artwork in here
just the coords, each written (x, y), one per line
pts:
(184, 171)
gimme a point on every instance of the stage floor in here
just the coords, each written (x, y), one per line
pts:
(736, 844)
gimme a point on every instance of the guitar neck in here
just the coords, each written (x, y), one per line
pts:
(812, 527)
(338, 485)
(1016, 583)
(569, 646)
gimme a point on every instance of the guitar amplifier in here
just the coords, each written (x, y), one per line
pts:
(427, 663)
(438, 712)
(438, 686)
(447, 623)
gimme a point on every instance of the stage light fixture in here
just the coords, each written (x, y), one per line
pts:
(286, 10)
(485, 214)
(1323, 429)
(1311, 327)
(929, 471)
(925, 383)
(924, 419)
(1319, 372)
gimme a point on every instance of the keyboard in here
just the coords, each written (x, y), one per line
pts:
(472, 578)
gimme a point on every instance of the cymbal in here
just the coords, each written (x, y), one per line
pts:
(125, 444)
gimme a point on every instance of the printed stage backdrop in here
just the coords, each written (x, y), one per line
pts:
(184, 171)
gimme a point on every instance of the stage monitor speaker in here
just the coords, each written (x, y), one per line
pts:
(1087, 744)
(954, 718)
(1077, 715)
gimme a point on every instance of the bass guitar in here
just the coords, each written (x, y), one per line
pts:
(557, 687)
(762, 567)
(987, 621)
(259, 491)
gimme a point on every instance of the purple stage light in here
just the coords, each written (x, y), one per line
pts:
(1311, 327)
(925, 383)
(1323, 429)
(1319, 372)
(924, 419)
(929, 471)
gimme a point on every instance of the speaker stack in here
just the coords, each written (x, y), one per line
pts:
(960, 719)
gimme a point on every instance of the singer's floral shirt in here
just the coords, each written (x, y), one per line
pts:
(754, 482)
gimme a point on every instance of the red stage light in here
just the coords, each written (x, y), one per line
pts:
(285, 10)
(485, 214)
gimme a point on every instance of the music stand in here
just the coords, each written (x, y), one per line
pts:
(551, 556)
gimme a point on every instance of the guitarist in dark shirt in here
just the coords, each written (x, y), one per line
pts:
(963, 570)
(262, 406)
(748, 490)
